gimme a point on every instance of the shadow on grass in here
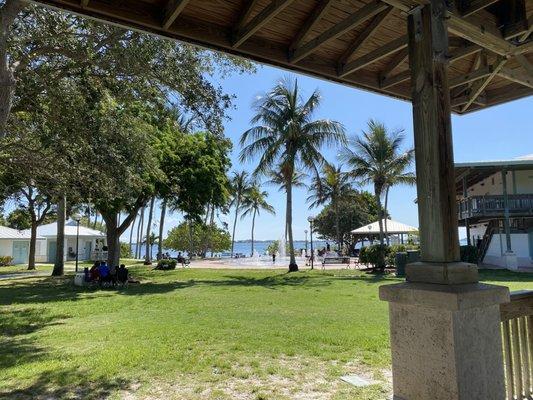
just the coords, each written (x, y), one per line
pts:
(503, 275)
(63, 384)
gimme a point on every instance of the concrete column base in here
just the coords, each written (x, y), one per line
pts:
(511, 261)
(445, 341)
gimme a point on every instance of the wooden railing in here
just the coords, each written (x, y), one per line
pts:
(493, 206)
(517, 336)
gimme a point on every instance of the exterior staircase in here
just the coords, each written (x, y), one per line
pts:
(487, 237)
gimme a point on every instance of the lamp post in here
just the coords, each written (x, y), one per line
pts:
(305, 231)
(77, 218)
(311, 219)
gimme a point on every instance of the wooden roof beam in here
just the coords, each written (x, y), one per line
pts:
(364, 36)
(173, 8)
(260, 20)
(376, 55)
(396, 61)
(517, 77)
(480, 86)
(84, 3)
(245, 14)
(525, 64)
(319, 11)
(474, 6)
(354, 20)
(475, 75)
(462, 100)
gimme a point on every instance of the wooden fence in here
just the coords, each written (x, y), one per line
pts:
(517, 335)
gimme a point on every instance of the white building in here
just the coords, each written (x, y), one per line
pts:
(16, 244)
(496, 207)
(90, 240)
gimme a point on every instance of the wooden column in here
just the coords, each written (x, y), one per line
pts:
(506, 218)
(437, 209)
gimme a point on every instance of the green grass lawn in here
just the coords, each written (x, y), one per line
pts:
(199, 334)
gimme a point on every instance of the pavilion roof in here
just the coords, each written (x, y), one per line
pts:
(360, 43)
(393, 227)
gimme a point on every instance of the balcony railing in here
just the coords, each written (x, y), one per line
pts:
(493, 206)
(517, 340)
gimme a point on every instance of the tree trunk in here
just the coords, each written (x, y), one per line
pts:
(8, 13)
(161, 228)
(292, 263)
(337, 227)
(95, 219)
(140, 234)
(113, 240)
(381, 262)
(33, 241)
(386, 215)
(148, 255)
(253, 226)
(237, 205)
(131, 233)
(59, 263)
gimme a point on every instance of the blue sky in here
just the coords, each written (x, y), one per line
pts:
(505, 131)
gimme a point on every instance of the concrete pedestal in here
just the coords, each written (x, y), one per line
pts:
(511, 261)
(445, 341)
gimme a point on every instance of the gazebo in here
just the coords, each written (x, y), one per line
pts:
(371, 231)
(443, 56)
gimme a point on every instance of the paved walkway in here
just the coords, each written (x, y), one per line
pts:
(17, 275)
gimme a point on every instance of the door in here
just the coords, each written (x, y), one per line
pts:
(20, 252)
(52, 250)
(88, 249)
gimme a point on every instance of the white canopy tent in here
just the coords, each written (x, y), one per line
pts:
(393, 228)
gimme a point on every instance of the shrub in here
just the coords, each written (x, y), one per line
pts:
(469, 254)
(166, 265)
(125, 250)
(5, 261)
(398, 248)
(373, 254)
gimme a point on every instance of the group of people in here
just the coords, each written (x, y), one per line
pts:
(101, 273)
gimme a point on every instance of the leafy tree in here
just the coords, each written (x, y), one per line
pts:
(239, 186)
(354, 209)
(198, 237)
(330, 187)
(254, 202)
(286, 136)
(376, 158)
(19, 219)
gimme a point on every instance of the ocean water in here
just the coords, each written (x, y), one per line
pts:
(244, 247)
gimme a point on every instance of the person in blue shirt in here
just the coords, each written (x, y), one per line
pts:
(103, 271)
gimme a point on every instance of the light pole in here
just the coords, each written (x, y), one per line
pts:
(311, 219)
(77, 219)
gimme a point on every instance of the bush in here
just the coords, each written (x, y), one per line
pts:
(398, 248)
(373, 254)
(5, 261)
(469, 254)
(166, 265)
(125, 250)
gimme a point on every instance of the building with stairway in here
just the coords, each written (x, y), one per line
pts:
(495, 205)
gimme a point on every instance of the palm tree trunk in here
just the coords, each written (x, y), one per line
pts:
(161, 227)
(292, 263)
(148, 254)
(140, 234)
(386, 215)
(253, 226)
(337, 227)
(131, 233)
(59, 263)
(237, 205)
(381, 262)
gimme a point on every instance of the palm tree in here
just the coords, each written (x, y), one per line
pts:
(330, 187)
(277, 178)
(240, 184)
(376, 158)
(254, 201)
(286, 135)
(396, 178)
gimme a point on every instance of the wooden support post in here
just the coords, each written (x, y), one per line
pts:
(506, 219)
(437, 208)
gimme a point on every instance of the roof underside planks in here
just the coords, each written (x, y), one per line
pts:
(356, 42)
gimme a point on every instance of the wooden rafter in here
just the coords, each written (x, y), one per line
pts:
(173, 8)
(396, 61)
(376, 55)
(364, 36)
(84, 3)
(480, 73)
(525, 64)
(517, 77)
(526, 34)
(246, 13)
(462, 100)
(319, 11)
(476, 5)
(354, 20)
(478, 88)
(259, 21)
(464, 51)
(387, 82)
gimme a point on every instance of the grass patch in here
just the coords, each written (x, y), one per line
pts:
(199, 334)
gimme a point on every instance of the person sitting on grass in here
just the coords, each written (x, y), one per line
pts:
(122, 274)
(94, 272)
(103, 272)
(113, 271)
(181, 259)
